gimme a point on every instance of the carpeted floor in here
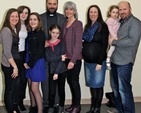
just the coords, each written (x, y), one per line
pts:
(84, 108)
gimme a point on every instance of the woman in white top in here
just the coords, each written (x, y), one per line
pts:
(24, 12)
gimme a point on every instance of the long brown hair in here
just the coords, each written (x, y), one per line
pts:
(39, 27)
(7, 22)
(20, 10)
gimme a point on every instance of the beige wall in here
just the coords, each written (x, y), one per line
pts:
(82, 5)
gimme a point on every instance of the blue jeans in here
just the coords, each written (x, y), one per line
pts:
(121, 78)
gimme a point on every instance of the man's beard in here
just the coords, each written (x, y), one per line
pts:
(51, 12)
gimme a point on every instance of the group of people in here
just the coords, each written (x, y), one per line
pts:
(49, 48)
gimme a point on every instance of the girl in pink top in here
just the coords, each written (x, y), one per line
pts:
(113, 26)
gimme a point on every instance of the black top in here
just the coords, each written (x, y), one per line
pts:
(14, 49)
(56, 65)
(96, 50)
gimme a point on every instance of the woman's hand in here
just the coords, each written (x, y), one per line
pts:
(98, 67)
(15, 73)
(46, 43)
(70, 65)
(63, 57)
(26, 66)
(55, 76)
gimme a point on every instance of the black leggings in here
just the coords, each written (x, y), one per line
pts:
(61, 89)
(73, 81)
(23, 79)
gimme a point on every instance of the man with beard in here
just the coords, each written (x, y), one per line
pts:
(48, 18)
(123, 59)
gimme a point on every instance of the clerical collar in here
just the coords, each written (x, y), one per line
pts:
(51, 14)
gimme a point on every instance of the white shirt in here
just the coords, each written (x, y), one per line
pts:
(22, 36)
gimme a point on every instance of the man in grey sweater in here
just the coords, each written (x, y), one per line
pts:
(123, 58)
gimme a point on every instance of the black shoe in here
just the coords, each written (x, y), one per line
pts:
(110, 104)
(97, 110)
(45, 109)
(91, 110)
(33, 109)
(110, 95)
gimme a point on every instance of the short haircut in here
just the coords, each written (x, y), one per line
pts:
(47, 1)
(72, 5)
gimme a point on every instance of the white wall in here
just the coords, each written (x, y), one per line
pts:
(82, 5)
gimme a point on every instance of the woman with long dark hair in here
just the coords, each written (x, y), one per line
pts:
(95, 38)
(9, 38)
(24, 12)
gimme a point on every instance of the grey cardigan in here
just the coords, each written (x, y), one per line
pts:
(6, 41)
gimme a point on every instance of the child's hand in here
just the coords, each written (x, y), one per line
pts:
(115, 38)
(63, 57)
(26, 66)
(55, 76)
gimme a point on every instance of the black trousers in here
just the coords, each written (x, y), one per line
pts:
(11, 94)
(73, 81)
(60, 82)
(23, 79)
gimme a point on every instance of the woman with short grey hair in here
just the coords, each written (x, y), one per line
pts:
(72, 6)
(72, 36)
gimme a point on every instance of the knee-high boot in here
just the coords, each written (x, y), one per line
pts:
(98, 101)
(92, 108)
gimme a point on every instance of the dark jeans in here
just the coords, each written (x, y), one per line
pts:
(73, 81)
(121, 83)
(61, 89)
(11, 95)
(23, 79)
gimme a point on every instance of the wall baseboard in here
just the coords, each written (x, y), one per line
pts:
(83, 101)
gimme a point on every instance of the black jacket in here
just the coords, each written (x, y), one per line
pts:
(35, 46)
(54, 59)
